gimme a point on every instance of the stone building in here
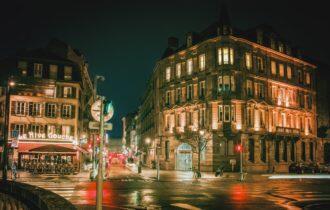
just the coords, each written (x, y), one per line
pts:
(226, 87)
(48, 104)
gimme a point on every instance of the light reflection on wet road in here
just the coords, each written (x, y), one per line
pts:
(127, 190)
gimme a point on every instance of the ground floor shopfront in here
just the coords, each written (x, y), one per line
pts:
(261, 153)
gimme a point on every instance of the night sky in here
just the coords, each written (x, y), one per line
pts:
(122, 40)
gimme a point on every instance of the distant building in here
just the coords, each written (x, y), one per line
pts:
(130, 137)
(48, 104)
(231, 87)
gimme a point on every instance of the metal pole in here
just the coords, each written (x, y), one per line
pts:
(241, 164)
(94, 144)
(99, 186)
(5, 136)
(157, 151)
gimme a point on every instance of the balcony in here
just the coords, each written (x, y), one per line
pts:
(288, 131)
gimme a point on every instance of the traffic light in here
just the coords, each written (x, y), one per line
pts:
(239, 148)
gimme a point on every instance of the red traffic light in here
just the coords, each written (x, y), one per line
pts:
(239, 148)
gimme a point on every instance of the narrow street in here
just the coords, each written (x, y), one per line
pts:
(128, 190)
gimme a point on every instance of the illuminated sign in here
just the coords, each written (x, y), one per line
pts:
(32, 135)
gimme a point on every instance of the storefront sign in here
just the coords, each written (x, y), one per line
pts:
(32, 135)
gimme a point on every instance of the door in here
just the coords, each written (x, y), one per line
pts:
(184, 157)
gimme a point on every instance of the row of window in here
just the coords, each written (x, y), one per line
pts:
(225, 56)
(278, 145)
(187, 92)
(51, 110)
(39, 70)
(34, 130)
(257, 118)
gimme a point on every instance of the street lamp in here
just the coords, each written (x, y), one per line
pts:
(10, 84)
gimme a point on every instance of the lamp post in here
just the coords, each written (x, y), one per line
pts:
(96, 78)
(10, 83)
(99, 184)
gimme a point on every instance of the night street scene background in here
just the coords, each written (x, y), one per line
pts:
(145, 104)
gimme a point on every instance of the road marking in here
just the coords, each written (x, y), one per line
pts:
(185, 206)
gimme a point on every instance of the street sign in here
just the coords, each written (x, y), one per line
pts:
(96, 111)
(96, 126)
(14, 141)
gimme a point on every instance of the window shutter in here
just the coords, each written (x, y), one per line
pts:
(59, 91)
(26, 106)
(73, 111)
(13, 105)
(30, 108)
(74, 90)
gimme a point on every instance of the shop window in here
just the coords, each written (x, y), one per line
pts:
(251, 150)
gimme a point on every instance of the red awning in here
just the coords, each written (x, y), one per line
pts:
(46, 148)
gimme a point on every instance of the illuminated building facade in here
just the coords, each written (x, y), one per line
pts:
(48, 104)
(238, 87)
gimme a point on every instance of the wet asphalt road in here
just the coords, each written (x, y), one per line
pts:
(127, 190)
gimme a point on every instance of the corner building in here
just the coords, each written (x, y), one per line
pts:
(48, 104)
(239, 87)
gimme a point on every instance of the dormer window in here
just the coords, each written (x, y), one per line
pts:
(22, 65)
(280, 47)
(259, 37)
(37, 70)
(202, 62)
(272, 43)
(189, 40)
(67, 73)
(178, 70)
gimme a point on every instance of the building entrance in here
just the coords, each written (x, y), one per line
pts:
(184, 157)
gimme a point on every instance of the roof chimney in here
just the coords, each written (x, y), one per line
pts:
(224, 27)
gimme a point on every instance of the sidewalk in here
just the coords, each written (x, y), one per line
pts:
(172, 175)
(24, 176)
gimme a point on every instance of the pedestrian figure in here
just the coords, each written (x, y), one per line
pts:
(219, 171)
(14, 170)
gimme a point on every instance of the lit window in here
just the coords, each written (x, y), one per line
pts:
(202, 62)
(22, 65)
(220, 56)
(189, 66)
(225, 55)
(19, 107)
(248, 60)
(67, 92)
(249, 87)
(53, 71)
(66, 111)
(273, 67)
(51, 129)
(67, 73)
(281, 67)
(280, 47)
(260, 64)
(49, 93)
(66, 130)
(178, 70)
(224, 83)
(220, 113)
(232, 83)
(37, 70)
(168, 74)
(308, 78)
(289, 72)
(36, 129)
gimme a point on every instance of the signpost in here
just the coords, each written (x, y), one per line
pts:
(97, 111)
